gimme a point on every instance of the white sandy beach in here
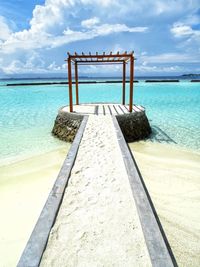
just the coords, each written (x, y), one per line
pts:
(97, 224)
(24, 188)
(172, 176)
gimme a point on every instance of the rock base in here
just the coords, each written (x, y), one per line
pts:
(134, 126)
(66, 125)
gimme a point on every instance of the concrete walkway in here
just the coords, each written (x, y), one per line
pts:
(98, 223)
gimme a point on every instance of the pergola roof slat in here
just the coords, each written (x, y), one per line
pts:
(101, 58)
(117, 55)
(97, 62)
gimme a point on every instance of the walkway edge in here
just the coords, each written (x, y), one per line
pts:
(159, 249)
(36, 244)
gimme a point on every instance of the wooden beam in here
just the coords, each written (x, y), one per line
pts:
(70, 85)
(76, 81)
(124, 84)
(99, 63)
(131, 84)
(103, 56)
(102, 61)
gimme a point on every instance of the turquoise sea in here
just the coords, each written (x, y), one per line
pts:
(27, 113)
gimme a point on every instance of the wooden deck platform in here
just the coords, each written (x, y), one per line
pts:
(103, 109)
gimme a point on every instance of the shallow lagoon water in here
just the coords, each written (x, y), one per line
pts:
(27, 113)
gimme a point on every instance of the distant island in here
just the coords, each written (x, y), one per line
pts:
(191, 75)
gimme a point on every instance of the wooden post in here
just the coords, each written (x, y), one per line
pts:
(124, 83)
(70, 85)
(131, 83)
(76, 81)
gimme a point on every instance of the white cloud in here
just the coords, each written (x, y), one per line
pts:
(5, 31)
(33, 40)
(105, 29)
(103, 3)
(187, 35)
(14, 67)
(20, 67)
(181, 30)
(54, 67)
(101, 69)
(158, 69)
(24, 40)
(153, 8)
(170, 58)
(31, 63)
(52, 13)
(100, 30)
(89, 23)
(51, 20)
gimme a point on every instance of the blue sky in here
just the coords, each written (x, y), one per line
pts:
(36, 35)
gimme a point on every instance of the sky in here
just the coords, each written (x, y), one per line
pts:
(36, 35)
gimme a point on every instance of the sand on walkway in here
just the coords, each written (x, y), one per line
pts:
(97, 224)
(172, 176)
(24, 188)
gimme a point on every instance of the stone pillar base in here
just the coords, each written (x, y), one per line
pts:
(134, 126)
(66, 125)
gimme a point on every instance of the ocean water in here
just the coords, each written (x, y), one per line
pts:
(27, 113)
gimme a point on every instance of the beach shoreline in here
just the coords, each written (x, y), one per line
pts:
(24, 188)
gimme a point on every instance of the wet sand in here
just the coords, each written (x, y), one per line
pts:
(172, 176)
(24, 188)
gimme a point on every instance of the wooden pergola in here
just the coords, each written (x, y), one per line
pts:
(100, 59)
